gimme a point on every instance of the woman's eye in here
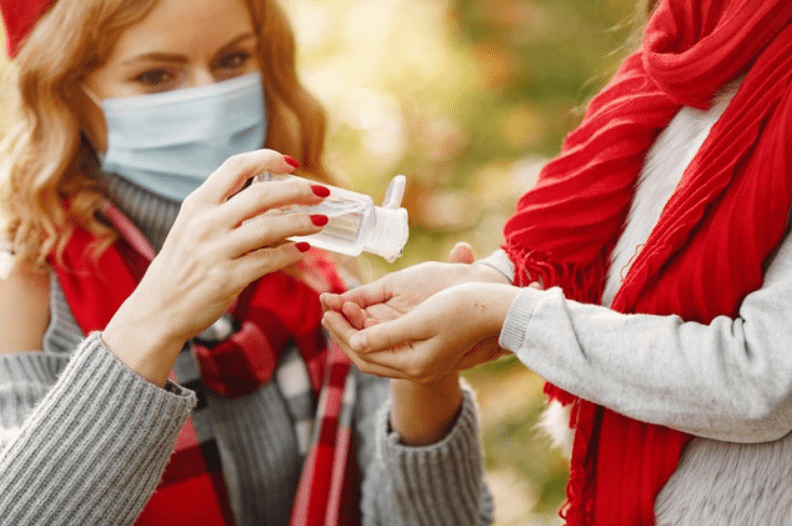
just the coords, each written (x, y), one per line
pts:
(155, 78)
(233, 61)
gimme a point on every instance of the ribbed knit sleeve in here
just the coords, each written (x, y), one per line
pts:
(439, 484)
(730, 380)
(500, 261)
(84, 439)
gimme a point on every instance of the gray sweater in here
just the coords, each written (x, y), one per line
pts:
(84, 440)
(728, 383)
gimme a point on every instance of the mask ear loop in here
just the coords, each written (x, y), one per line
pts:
(96, 100)
(91, 95)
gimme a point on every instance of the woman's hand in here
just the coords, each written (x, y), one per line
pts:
(432, 339)
(222, 240)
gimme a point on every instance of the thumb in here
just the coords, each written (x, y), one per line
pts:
(388, 335)
(461, 253)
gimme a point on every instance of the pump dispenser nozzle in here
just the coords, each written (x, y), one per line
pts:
(390, 231)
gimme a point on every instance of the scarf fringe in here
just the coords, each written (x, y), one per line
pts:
(580, 490)
(583, 282)
(580, 282)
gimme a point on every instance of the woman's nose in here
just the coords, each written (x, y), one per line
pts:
(202, 77)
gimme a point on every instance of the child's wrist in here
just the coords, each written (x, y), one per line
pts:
(424, 413)
(484, 272)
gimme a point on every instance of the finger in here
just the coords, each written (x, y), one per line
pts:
(236, 170)
(380, 370)
(331, 301)
(369, 294)
(340, 329)
(354, 314)
(407, 362)
(267, 231)
(258, 198)
(461, 253)
(380, 313)
(391, 334)
(404, 361)
(253, 265)
(374, 368)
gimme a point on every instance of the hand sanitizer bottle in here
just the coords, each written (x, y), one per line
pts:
(356, 224)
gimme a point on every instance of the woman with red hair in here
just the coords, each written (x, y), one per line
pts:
(646, 276)
(156, 313)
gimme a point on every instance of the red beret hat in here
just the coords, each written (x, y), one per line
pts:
(20, 16)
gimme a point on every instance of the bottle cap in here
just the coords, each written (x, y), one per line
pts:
(389, 234)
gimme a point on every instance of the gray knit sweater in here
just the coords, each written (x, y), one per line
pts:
(84, 440)
(728, 383)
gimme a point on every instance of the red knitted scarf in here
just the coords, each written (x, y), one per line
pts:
(713, 239)
(273, 312)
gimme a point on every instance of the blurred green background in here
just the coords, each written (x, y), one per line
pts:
(468, 99)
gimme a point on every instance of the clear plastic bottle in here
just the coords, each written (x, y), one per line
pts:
(356, 224)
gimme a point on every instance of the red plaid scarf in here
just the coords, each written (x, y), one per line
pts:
(713, 239)
(273, 311)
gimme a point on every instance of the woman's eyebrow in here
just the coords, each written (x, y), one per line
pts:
(155, 57)
(158, 56)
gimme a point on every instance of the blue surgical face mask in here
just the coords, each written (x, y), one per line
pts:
(171, 142)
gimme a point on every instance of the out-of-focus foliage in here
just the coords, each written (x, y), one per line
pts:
(468, 98)
(465, 97)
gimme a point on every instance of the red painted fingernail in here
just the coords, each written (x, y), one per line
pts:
(321, 191)
(320, 220)
(291, 160)
(303, 246)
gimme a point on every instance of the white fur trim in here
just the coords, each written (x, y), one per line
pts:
(665, 164)
(555, 423)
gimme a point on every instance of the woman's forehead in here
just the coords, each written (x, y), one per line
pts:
(191, 27)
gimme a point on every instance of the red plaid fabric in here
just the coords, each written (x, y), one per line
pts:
(273, 311)
(329, 475)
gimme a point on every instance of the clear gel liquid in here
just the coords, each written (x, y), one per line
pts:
(342, 232)
(354, 222)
